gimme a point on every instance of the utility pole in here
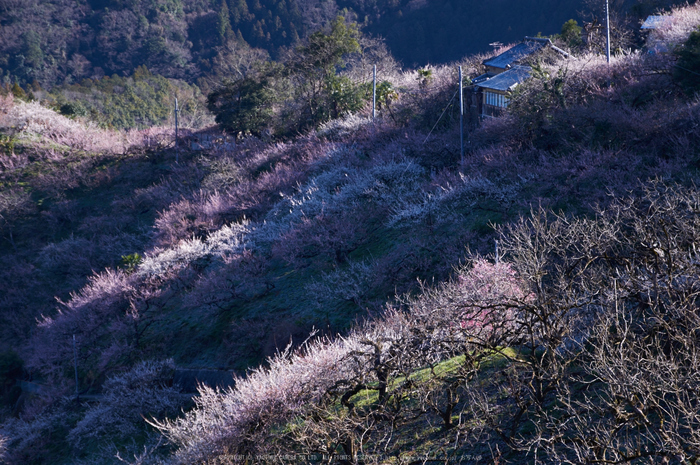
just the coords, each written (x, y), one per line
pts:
(374, 92)
(461, 117)
(177, 110)
(607, 29)
(75, 364)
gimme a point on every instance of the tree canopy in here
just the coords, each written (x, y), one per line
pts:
(244, 105)
(303, 91)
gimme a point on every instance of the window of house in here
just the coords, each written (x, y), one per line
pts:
(496, 100)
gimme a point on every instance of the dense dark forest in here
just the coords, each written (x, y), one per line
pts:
(44, 43)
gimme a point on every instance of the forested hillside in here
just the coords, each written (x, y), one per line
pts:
(122, 63)
(45, 43)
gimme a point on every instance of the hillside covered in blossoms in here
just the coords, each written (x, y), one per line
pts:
(359, 291)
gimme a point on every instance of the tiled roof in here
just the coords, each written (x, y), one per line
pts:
(511, 56)
(654, 22)
(507, 80)
(482, 78)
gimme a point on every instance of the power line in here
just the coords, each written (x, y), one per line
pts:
(686, 69)
(441, 115)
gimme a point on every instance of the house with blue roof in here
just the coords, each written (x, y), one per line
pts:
(655, 22)
(504, 72)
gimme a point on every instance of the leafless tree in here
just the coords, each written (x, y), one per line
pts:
(634, 396)
(621, 31)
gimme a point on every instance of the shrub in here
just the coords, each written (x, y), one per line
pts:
(131, 262)
(343, 127)
(128, 400)
(73, 110)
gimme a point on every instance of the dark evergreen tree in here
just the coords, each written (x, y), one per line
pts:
(687, 70)
(245, 105)
(571, 33)
(223, 26)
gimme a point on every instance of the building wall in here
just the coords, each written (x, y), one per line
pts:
(494, 70)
